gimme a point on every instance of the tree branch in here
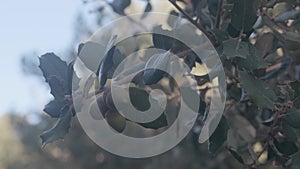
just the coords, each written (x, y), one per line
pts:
(199, 26)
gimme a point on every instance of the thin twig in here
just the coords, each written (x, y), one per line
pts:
(184, 53)
(188, 51)
(209, 36)
(270, 132)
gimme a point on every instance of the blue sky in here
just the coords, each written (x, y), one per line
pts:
(27, 26)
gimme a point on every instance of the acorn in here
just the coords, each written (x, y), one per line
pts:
(116, 120)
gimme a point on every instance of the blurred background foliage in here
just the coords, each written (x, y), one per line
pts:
(21, 148)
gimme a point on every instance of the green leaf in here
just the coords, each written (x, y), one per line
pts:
(52, 65)
(291, 41)
(219, 136)
(118, 57)
(171, 19)
(60, 129)
(154, 67)
(253, 61)
(160, 122)
(139, 99)
(107, 61)
(266, 43)
(243, 128)
(283, 17)
(233, 139)
(119, 6)
(296, 102)
(235, 93)
(271, 3)
(53, 108)
(289, 132)
(190, 60)
(295, 161)
(268, 122)
(293, 118)
(221, 35)
(271, 153)
(98, 107)
(189, 94)
(291, 37)
(286, 92)
(202, 106)
(148, 9)
(115, 120)
(243, 15)
(233, 48)
(287, 148)
(55, 72)
(162, 38)
(236, 156)
(296, 87)
(280, 8)
(268, 3)
(89, 54)
(213, 7)
(258, 91)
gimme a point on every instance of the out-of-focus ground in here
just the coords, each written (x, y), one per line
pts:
(20, 148)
